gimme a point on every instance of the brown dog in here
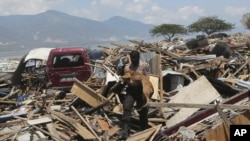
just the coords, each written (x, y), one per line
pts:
(134, 78)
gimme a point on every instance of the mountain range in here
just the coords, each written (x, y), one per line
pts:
(57, 29)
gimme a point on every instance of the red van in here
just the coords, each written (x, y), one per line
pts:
(65, 64)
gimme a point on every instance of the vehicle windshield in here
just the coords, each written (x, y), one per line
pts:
(67, 60)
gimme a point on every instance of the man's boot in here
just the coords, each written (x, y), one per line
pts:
(125, 131)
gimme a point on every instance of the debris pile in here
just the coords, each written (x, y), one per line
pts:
(199, 85)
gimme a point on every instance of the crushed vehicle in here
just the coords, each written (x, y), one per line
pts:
(53, 67)
(65, 64)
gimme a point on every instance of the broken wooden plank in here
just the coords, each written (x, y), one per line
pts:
(144, 135)
(239, 69)
(172, 54)
(7, 102)
(85, 122)
(87, 94)
(103, 124)
(197, 67)
(3, 85)
(158, 127)
(45, 132)
(204, 106)
(196, 74)
(7, 135)
(92, 110)
(14, 122)
(12, 92)
(222, 133)
(224, 117)
(113, 130)
(156, 120)
(64, 136)
(83, 132)
(155, 82)
(27, 136)
(40, 120)
(52, 130)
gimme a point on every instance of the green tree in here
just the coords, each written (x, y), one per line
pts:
(210, 25)
(246, 20)
(168, 31)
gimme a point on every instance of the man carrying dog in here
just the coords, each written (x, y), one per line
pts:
(134, 94)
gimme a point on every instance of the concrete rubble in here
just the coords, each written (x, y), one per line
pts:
(200, 86)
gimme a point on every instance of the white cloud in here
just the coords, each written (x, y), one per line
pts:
(96, 10)
(139, 7)
(93, 3)
(92, 13)
(154, 20)
(135, 8)
(187, 11)
(18, 7)
(112, 3)
(142, 1)
(153, 13)
(235, 10)
(156, 8)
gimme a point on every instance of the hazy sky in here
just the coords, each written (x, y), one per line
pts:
(156, 12)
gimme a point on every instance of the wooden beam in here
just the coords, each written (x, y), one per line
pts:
(172, 54)
(241, 67)
(12, 92)
(194, 71)
(8, 102)
(85, 122)
(20, 122)
(158, 127)
(52, 130)
(143, 135)
(205, 106)
(83, 132)
(45, 132)
(39, 120)
(71, 122)
(161, 85)
(223, 116)
(7, 135)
